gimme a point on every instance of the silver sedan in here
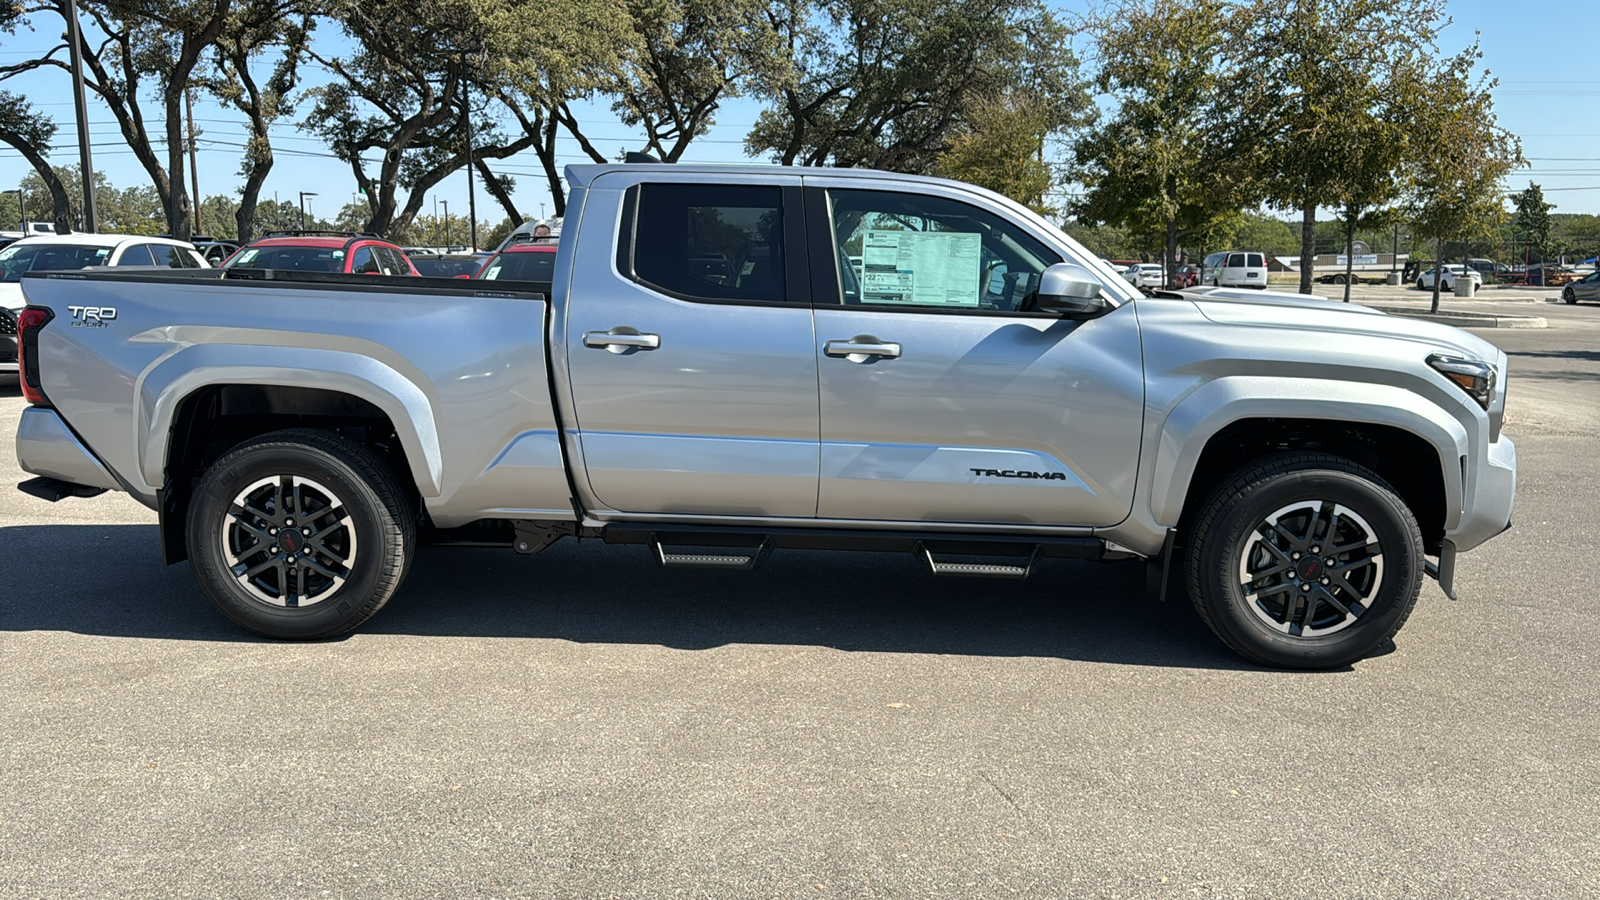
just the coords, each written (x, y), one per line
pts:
(1585, 288)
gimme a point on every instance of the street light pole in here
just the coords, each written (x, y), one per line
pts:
(466, 119)
(303, 196)
(81, 107)
(446, 223)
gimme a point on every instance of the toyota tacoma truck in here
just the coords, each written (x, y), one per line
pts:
(734, 361)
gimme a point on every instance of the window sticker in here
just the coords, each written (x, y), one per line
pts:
(492, 274)
(930, 268)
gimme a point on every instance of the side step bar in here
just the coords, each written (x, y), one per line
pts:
(693, 552)
(991, 562)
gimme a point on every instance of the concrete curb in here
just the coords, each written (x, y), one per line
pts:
(1466, 319)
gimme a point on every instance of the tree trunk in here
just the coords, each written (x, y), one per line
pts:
(1438, 273)
(1308, 246)
(47, 173)
(1349, 252)
(1171, 254)
(498, 191)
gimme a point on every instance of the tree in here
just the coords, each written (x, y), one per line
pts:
(263, 103)
(134, 210)
(887, 84)
(1001, 148)
(689, 56)
(1303, 115)
(148, 47)
(1158, 166)
(1457, 180)
(30, 132)
(1532, 219)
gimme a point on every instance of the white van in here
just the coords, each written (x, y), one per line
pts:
(524, 232)
(1235, 268)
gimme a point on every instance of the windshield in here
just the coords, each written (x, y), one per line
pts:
(304, 259)
(19, 258)
(522, 266)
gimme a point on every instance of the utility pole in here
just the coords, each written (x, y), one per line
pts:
(80, 106)
(466, 120)
(194, 167)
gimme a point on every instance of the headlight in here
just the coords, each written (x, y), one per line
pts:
(1472, 376)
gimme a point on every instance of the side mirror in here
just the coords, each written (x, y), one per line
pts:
(1071, 292)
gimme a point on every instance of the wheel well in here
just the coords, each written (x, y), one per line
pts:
(215, 419)
(1407, 462)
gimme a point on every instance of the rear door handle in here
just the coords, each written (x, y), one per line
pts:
(862, 348)
(621, 339)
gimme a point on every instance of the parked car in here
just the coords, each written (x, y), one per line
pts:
(1585, 288)
(1145, 275)
(538, 230)
(446, 265)
(1235, 268)
(322, 251)
(1187, 276)
(8, 340)
(1451, 275)
(60, 252)
(216, 251)
(527, 261)
(1317, 453)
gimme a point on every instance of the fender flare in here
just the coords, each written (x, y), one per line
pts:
(163, 388)
(1190, 425)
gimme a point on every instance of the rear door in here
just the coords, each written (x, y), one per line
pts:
(689, 347)
(944, 396)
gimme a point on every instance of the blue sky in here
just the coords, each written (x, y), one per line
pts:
(1549, 94)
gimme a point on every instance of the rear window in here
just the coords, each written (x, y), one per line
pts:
(302, 259)
(1255, 260)
(1235, 260)
(521, 267)
(708, 241)
(446, 268)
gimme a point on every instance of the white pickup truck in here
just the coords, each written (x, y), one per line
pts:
(732, 361)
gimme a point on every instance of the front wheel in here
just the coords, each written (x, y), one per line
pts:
(1305, 560)
(300, 534)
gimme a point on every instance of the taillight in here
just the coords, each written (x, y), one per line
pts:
(29, 321)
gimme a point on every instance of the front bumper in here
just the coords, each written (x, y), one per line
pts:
(46, 446)
(1489, 499)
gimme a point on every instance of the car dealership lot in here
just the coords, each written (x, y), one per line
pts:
(581, 724)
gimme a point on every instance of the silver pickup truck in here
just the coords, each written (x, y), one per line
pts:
(730, 361)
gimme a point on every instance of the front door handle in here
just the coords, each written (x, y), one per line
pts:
(621, 339)
(862, 348)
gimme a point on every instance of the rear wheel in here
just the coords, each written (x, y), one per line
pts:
(1569, 295)
(1305, 560)
(1420, 285)
(300, 534)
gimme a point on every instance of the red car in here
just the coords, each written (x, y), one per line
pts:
(525, 261)
(322, 251)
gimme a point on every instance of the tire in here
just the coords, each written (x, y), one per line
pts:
(1338, 279)
(1420, 285)
(1569, 296)
(1258, 516)
(348, 566)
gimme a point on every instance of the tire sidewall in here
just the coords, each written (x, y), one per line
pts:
(1402, 570)
(331, 615)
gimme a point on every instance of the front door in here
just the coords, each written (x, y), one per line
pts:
(690, 350)
(944, 396)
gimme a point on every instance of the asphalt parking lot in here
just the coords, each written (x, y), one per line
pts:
(581, 724)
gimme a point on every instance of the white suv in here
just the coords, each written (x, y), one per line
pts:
(1451, 273)
(1235, 268)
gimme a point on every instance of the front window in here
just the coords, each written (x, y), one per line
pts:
(923, 252)
(19, 258)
